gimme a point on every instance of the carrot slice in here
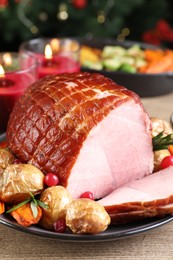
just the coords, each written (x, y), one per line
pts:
(24, 215)
(2, 207)
(158, 61)
(162, 65)
(170, 148)
(153, 55)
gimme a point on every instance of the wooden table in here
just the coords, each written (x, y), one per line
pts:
(154, 244)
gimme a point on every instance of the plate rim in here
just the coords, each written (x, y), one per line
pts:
(101, 237)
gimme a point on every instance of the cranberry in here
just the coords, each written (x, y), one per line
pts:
(167, 161)
(60, 226)
(51, 179)
(87, 195)
(17, 161)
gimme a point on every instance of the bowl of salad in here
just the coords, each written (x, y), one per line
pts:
(142, 68)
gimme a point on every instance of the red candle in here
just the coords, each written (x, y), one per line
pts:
(5, 82)
(56, 63)
(11, 88)
(20, 73)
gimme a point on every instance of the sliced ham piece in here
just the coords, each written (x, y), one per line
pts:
(94, 134)
(148, 197)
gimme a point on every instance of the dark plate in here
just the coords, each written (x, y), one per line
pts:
(112, 233)
(145, 85)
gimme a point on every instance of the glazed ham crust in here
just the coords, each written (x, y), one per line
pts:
(51, 122)
(137, 215)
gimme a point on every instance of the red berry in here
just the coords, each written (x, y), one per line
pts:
(51, 179)
(87, 195)
(16, 161)
(60, 226)
(167, 161)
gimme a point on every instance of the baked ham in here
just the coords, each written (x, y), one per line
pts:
(91, 132)
(148, 197)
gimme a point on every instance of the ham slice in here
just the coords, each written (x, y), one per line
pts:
(91, 132)
(148, 197)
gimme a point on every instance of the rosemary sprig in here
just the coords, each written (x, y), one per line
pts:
(33, 204)
(18, 205)
(34, 208)
(161, 142)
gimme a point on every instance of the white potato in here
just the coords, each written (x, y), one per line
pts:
(6, 158)
(19, 180)
(86, 216)
(58, 199)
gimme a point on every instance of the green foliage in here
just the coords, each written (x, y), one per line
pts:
(27, 19)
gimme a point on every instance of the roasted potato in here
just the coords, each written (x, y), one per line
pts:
(86, 216)
(58, 199)
(6, 158)
(19, 180)
(159, 125)
(88, 53)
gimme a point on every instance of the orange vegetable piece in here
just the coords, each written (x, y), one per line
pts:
(24, 215)
(153, 55)
(162, 65)
(158, 61)
(170, 148)
(2, 207)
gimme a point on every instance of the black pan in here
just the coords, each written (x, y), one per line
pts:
(145, 85)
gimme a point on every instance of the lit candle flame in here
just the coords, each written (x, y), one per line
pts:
(48, 52)
(7, 59)
(2, 72)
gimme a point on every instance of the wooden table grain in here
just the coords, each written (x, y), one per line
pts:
(151, 245)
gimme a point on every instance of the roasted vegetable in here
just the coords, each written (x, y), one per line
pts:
(24, 215)
(170, 149)
(160, 125)
(58, 199)
(113, 58)
(18, 181)
(158, 61)
(6, 158)
(86, 216)
(158, 157)
(89, 54)
(2, 207)
(132, 59)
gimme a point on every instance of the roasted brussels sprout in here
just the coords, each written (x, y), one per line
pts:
(18, 181)
(58, 199)
(86, 216)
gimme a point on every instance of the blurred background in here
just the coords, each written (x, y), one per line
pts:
(139, 20)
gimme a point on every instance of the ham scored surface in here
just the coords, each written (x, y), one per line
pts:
(86, 129)
(148, 197)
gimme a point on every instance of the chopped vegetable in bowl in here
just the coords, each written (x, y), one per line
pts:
(131, 60)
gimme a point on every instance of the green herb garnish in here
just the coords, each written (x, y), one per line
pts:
(161, 142)
(33, 203)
